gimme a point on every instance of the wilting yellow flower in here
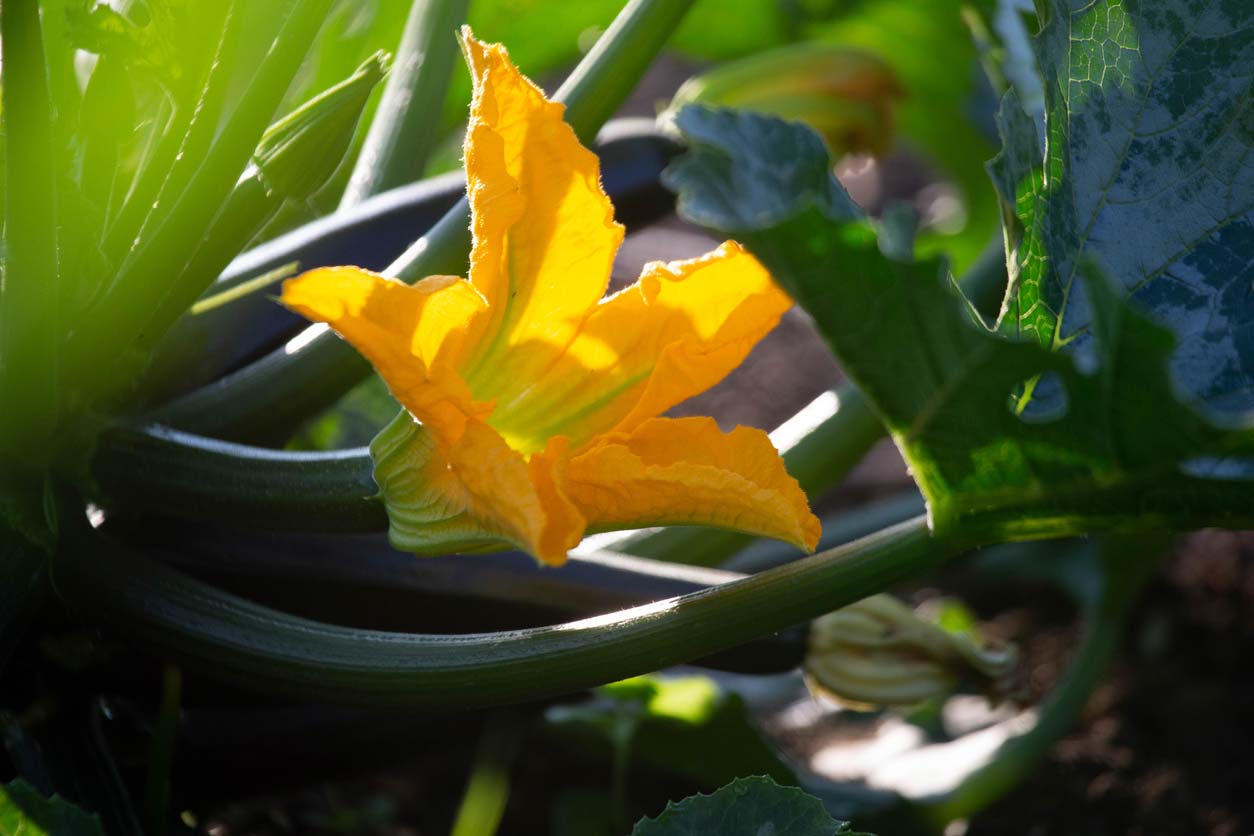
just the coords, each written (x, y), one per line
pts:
(537, 398)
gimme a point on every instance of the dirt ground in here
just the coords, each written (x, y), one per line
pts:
(1164, 746)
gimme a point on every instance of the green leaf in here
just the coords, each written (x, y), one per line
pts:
(754, 806)
(941, 380)
(1149, 123)
(1016, 173)
(685, 726)
(163, 38)
(24, 812)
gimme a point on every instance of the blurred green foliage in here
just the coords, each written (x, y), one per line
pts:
(686, 726)
(24, 812)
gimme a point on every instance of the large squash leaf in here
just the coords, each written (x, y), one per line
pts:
(1149, 175)
(1122, 444)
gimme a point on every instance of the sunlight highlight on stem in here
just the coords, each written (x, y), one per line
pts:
(260, 649)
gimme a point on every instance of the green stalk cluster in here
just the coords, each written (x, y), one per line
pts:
(400, 138)
(295, 157)
(142, 281)
(110, 235)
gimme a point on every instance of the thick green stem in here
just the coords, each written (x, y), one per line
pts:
(404, 128)
(219, 635)
(610, 70)
(487, 791)
(194, 112)
(144, 280)
(164, 471)
(292, 383)
(161, 752)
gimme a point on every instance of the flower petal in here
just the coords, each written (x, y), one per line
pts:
(685, 471)
(544, 230)
(471, 496)
(415, 336)
(673, 334)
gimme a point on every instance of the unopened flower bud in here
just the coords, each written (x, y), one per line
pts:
(878, 652)
(297, 154)
(846, 94)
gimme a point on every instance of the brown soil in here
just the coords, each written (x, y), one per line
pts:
(1164, 747)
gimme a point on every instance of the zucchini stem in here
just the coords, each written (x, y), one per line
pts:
(224, 637)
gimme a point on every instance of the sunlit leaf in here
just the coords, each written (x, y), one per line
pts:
(941, 380)
(24, 812)
(1149, 176)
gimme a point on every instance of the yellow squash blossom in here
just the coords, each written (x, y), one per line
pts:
(532, 402)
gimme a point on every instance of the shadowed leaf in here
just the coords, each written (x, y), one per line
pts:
(755, 806)
(1121, 445)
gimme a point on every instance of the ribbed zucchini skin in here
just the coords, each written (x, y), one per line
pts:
(260, 649)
